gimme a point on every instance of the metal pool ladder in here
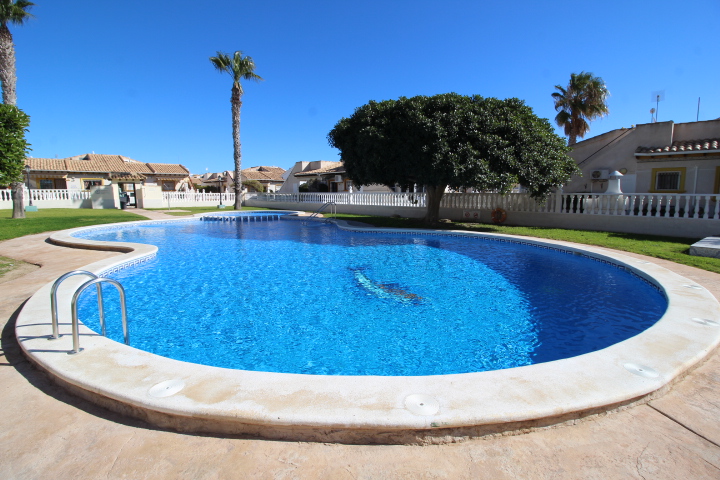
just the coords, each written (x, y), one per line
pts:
(333, 211)
(95, 280)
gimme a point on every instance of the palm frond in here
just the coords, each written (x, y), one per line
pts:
(583, 100)
(15, 12)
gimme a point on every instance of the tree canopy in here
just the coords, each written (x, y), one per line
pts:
(455, 141)
(239, 67)
(582, 101)
(16, 13)
(13, 146)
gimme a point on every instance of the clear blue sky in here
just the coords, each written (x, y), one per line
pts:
(133, 77)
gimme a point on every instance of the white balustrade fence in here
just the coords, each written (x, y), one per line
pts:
(189, 199)
(383, 199)
(54, 194)
(635, 204)
(49, 198)
(643, 205)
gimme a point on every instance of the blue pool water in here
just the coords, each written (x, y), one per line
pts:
(282, 296)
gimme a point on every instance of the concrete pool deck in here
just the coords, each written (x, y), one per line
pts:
(46, 431)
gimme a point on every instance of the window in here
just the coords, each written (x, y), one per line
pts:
(668, 180)
(88, 183)
(47, 184)
(168, 185)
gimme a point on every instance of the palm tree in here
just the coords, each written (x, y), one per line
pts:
(240, 68)
(581, 102)
(14, 12)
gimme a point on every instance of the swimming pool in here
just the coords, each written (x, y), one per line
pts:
(372, 409)
(335, 302)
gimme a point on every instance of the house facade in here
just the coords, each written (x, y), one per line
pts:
(663, 157)
(330, 174)
(83, 172)
(271, 178)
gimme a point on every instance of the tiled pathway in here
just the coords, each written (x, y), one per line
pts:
(47, 433)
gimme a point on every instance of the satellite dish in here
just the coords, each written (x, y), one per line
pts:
(657, 96)
(652, 115)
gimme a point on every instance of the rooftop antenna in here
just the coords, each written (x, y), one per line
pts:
(697, 119)
(657, 97)
(652, 115)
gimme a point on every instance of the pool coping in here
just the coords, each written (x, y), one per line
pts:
(372, 409)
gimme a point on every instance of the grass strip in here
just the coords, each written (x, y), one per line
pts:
(51, 219)
(674, 249)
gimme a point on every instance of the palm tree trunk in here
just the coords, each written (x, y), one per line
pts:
(7, 66)
(237, 155)
(8, 78)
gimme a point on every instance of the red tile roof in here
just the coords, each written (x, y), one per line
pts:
(687, 146)
(264, 173)
(334, 167)
(98, 163)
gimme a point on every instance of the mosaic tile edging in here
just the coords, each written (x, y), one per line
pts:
(128, 264)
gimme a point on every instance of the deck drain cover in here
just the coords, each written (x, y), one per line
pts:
(705, 321)
(420, 404)
(641, 370)
(166, 388)
(642, 261)
(696, 287)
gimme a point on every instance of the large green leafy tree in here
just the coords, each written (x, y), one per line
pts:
(455, 141)
(239, 67)
(13, 150)
(15, 12)
(584, 100)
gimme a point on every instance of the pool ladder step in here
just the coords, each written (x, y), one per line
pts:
(333, 211)
(94, 280)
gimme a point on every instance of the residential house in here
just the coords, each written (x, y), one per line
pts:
(271, 178)
(83, 172)
(663, 157)
(222, 180)
(330, 174)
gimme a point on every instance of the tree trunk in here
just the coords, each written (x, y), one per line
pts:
(7, 66)
(17, 199)
(237, 155)
(434, 196)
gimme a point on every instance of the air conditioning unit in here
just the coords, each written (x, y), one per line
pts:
(600, 174)
(338, 178)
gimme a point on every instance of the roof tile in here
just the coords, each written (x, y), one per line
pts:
(685, 146)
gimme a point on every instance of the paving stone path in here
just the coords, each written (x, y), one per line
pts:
(48, 433)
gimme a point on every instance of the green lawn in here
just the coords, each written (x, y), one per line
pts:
(674, 249)
(7, 264)
(50, 219)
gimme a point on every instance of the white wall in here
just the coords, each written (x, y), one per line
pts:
(673, 227)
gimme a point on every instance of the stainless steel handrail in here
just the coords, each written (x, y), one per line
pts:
(75, 321)
(53, 301)
(333, 211)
